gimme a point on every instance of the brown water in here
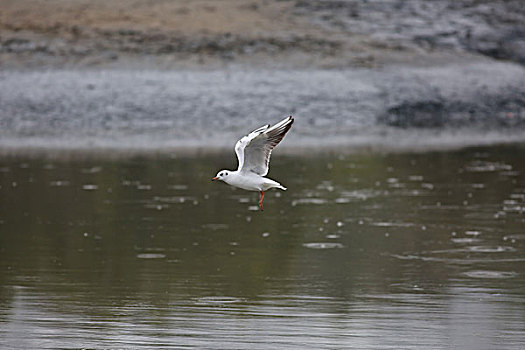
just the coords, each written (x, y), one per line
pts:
(364, 251)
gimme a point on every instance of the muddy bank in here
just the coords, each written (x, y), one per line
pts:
(492, 28)
(290, 34)
(449, 106)
(166, 34)
(163, 74)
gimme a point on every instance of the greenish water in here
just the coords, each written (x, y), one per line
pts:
(364, 251)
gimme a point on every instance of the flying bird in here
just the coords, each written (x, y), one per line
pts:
(253, 153)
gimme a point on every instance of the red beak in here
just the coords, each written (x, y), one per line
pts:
(214, 178)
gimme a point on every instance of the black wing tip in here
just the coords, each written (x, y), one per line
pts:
(281, 131)
(286, 126)
(289, 122)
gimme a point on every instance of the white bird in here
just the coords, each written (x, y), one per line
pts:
(253, 153)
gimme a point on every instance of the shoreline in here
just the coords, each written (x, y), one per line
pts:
(423, 143)
(398, 107)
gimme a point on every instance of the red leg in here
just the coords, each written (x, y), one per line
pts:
(261, 200)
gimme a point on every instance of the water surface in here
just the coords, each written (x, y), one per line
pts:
(364, 251)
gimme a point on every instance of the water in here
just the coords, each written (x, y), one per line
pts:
(364, 251)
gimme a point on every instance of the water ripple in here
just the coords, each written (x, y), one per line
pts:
(323, 245)
(490, 274)
(151, 256)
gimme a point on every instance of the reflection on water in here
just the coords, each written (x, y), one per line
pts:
(412, 251)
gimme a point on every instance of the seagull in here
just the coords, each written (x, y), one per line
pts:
(253, 153)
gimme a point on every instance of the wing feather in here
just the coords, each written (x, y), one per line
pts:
(243, 142)
(254, 150)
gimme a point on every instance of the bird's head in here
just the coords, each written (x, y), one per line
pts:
(221, 175)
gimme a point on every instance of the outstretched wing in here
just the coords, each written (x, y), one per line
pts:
(242, 143)
(254, 150)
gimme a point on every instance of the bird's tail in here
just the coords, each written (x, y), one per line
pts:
(269, 183)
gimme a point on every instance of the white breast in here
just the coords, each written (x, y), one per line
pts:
(250, 181)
